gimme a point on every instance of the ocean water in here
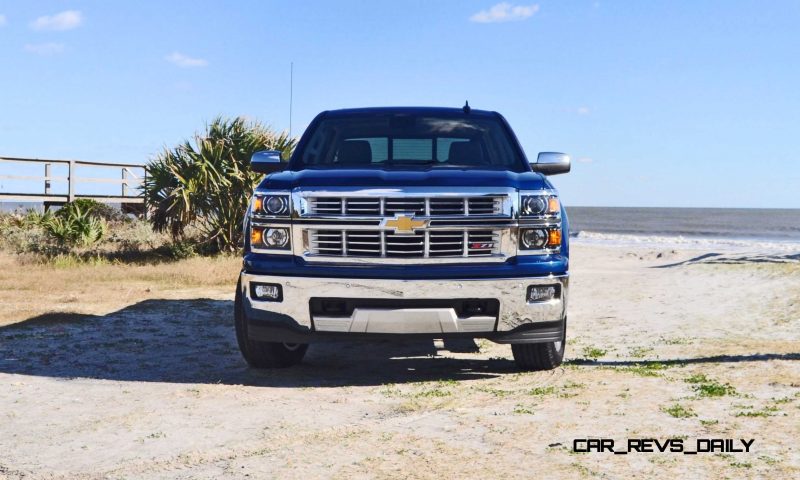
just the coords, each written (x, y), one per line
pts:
(734, 227)
(684, 226)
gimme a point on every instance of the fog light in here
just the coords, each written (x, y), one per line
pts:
(543, 293)
(269, 292)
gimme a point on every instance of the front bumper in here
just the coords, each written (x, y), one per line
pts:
(397, 307)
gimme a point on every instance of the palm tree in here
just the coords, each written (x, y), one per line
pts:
(207, 184)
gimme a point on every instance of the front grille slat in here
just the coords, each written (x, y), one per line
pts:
(447, 206)
(388, 244)
(429, 206)
(392, 206)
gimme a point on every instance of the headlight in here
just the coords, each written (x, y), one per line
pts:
(269, 238)
(540, 238)
(277, 238)
(539, 205)
(276, 205)
(534, 238)
(268, 223)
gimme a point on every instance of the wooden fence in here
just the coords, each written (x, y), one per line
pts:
(128, 176)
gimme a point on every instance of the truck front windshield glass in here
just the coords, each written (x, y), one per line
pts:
(408, 141)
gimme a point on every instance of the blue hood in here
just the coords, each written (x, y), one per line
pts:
(350, 177)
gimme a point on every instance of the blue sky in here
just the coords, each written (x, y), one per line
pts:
(659, 103)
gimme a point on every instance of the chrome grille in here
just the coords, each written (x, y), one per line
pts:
(447, 206)
(362, 206)
(423, 244)
(420, 206)
(326, 205)
(404, 205)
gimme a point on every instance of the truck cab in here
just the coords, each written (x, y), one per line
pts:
(401, 222)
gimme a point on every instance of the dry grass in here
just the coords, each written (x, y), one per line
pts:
(691, 351)
(30, 289)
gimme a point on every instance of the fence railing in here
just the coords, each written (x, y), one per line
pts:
(128, 176)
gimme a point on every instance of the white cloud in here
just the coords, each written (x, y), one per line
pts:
(583, 111)
(505, 12)
(44, 48)
(584, 160)
(66, 20)
(3, 20)
(184, 61)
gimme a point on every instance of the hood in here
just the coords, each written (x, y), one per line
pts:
(441, 177)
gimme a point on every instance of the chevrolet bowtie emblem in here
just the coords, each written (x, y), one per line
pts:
(404, 224)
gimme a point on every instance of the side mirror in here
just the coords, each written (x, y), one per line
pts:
(267, 161)
(551, 163)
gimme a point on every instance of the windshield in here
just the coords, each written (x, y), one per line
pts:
(403, 141)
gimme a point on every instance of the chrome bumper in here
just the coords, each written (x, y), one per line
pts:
(515, 311)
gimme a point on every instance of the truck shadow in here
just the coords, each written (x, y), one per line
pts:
(754, 357)
(193, 341)
(735, 259)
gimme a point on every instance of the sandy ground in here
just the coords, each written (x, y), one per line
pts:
(101, 378)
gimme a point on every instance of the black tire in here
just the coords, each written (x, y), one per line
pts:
(540, 356)
(264, 354)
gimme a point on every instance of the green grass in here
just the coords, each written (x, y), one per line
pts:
(782, 400)
(495, 392)
(640, 352)
(432, 393)
(645, 369)
(436, 389)
(768, 411)
(593, 353)
(679, 411)
(541, 391)
(706, 387)
(523, 410)
(697, 378)
(768, 460)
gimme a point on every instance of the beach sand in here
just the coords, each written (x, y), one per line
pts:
(133, 372)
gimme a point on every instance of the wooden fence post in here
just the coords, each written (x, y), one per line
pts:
(47, 172)
(141, 192)
(71, 180)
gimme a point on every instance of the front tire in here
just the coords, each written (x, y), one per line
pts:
(540, 356)
(263, 354)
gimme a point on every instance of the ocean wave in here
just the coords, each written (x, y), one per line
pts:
(690, 242)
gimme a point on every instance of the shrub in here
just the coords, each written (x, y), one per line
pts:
(92, 208)
(207, 184)
(181, 250)
(76, 226)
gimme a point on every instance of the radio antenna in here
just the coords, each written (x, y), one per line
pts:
(291, 85)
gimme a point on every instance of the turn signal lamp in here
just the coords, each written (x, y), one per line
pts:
(553, 205)
(554, 237)
(256, 236)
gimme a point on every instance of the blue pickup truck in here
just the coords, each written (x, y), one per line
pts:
(403, 222)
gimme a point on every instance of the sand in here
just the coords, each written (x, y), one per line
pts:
(663, 343)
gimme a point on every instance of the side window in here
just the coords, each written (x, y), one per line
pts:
(443, 147)
(412, 148)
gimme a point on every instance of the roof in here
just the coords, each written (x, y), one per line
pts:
(433, 111)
